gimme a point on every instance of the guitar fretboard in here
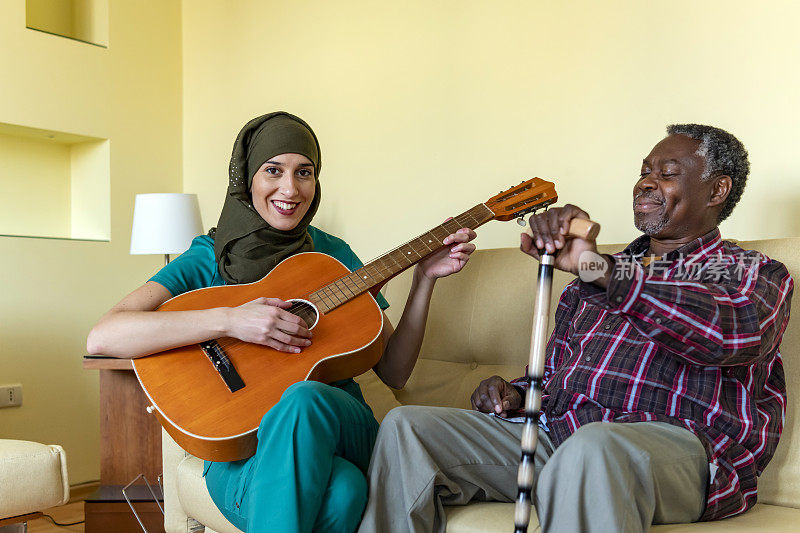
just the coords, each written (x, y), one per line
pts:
(392, 263)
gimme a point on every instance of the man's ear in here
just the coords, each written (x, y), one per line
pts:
(720, 190)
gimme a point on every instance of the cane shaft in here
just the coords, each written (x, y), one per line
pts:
(533, 396)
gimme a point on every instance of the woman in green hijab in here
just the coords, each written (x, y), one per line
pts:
(314, 445)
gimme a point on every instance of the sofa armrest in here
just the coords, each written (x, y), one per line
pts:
(33, 477)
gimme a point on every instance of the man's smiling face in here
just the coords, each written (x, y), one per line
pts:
(670, 201)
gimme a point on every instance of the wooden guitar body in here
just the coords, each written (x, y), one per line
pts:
(190, 398)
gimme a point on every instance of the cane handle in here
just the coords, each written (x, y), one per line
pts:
(580, 228)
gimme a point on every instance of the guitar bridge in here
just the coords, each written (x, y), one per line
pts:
(222, 364)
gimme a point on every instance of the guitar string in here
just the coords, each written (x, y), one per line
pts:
(467, 213)
(383, 270)
(461, 220)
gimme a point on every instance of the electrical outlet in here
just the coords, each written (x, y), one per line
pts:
(10, 395)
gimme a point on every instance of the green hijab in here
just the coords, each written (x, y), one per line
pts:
(245, 246)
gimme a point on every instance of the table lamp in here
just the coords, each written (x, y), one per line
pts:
(164, 223)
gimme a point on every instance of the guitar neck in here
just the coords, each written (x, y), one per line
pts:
(376, 273)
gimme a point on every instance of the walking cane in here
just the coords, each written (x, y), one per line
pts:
(585, 229)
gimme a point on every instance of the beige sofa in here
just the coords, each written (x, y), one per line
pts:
(479, 325)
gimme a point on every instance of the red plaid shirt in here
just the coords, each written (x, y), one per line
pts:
(691, 340)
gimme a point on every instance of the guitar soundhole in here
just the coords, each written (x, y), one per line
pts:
(305, 310)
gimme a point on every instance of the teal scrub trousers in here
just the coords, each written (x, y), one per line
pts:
(308, 471)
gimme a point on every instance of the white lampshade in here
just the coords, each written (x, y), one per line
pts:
(165, 223)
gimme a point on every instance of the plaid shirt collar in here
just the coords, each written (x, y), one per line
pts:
(701, 247)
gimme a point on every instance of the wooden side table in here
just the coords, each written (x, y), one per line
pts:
(130, 444)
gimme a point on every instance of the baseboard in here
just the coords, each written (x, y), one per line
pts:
(80, 491)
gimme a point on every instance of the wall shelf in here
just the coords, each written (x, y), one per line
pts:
(80, 20)
(55, 184)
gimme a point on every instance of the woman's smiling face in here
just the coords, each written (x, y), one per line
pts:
(283, 189)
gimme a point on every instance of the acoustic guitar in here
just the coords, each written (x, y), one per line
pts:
(210, 397)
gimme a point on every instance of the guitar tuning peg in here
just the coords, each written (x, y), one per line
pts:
(521, 221)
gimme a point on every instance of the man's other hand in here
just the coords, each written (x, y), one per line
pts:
(495, 395)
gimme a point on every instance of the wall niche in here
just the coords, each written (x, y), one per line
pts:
(55, 184)
(81, 20)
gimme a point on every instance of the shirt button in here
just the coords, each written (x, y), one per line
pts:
(658, 321)
(473, 365)
(607, 326)
(618, 299)
(588, 358)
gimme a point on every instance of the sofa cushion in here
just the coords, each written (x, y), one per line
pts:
(484, 314)
(194, 497)
(487, 517)
(484, 517)
(33, 477)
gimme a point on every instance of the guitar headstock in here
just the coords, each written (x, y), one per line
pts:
(525, 198)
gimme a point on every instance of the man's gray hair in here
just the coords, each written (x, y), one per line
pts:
(725, 155)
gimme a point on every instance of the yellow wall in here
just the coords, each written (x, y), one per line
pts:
(54, 290)
(425, 108)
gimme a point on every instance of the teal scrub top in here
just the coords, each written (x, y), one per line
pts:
(196, 268)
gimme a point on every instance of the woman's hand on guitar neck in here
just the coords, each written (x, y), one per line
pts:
(403, 344)
(265, 321)
(452, 257)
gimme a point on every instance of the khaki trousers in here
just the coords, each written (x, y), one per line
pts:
(604, 478)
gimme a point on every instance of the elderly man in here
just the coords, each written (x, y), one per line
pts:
(664, 392)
